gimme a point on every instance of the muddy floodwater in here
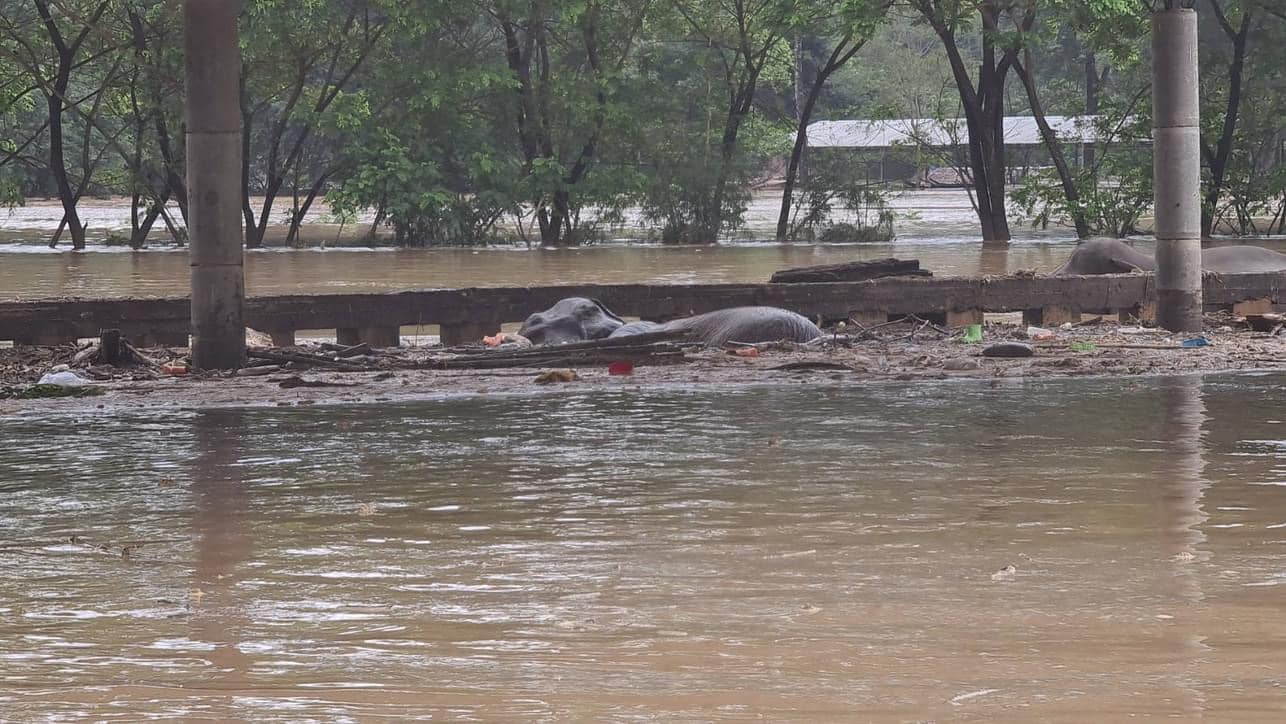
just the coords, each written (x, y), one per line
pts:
(1077, 550)
(40, 273)
(938, 227)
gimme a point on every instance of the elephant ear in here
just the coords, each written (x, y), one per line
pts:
(607, 311)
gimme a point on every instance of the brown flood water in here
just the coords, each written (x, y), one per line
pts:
(678, 555)
(162, 273)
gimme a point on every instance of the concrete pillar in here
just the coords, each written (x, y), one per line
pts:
(1176, 168)
(214, 183)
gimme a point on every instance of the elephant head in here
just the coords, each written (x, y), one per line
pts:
(571, 320)
(1104, 256)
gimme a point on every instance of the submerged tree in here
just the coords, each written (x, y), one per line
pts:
(857, 21)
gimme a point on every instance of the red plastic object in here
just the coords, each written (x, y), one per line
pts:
(746, 352)
(620, 367)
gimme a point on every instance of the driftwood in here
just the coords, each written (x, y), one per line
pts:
(113, 350)
(649, 348)
(304, 358)
(853, 271)
(630, 340)
(340, 350)
(810, 365)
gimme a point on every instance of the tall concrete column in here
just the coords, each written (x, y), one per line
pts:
(214, 182)
(1176, 168)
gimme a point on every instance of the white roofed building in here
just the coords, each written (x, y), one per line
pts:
(878, 137)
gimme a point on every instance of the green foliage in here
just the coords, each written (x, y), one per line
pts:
(1114, 192)
(555, 121)
(837, 201)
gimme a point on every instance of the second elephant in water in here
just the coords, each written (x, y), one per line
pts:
(578, 318)
(1113, 256)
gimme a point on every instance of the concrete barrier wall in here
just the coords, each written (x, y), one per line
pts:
(467, 314)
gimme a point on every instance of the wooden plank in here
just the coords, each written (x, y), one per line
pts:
(853, 271)
(461, 307)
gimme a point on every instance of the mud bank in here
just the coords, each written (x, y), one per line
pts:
(909, 351)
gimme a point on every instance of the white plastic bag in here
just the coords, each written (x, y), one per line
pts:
(64, 379)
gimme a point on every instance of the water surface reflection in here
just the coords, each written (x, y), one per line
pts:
(657, 555)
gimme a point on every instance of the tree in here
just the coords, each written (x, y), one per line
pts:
(566, 59)
(858, 20)
(1217, 146)
(49, 46)
(742, 37)
(982, 99)
(299, 60)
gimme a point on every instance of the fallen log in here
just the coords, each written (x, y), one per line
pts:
(307, 359)
(853, 271)
(581, 359)
(649, 348)
(631, 340)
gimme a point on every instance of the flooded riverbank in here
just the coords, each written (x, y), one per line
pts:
(657, 555)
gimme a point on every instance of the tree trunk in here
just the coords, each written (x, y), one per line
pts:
(1218, 157)
(247, 122)
(57, 161)
(297, 219)
(984, 115)
(838, 57)
(1070, 191)
(1092, 84)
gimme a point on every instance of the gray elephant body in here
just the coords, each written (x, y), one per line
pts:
(1242, 259)
(737, 324)
(1113, 256)
(578, 318)
(1105, 256)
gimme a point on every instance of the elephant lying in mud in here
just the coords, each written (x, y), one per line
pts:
(578, 318)
(1113, 256)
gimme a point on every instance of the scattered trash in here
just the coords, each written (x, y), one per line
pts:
(1196, 342)
(1009, 349)
(1004, 574)
(64, 378)
(1040, 333)
(744, 352)
(1083, 346)
(620, 368)
(505, 339)
(552, 376)
(972, 334)
(255, 338)
(174, 368)
(1140, 330)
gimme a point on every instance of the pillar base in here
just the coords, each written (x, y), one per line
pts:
(1178, 310)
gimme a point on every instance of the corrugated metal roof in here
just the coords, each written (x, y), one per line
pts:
(1019, 131)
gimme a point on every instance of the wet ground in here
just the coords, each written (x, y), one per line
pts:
(1077, 550)
(909, 350)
